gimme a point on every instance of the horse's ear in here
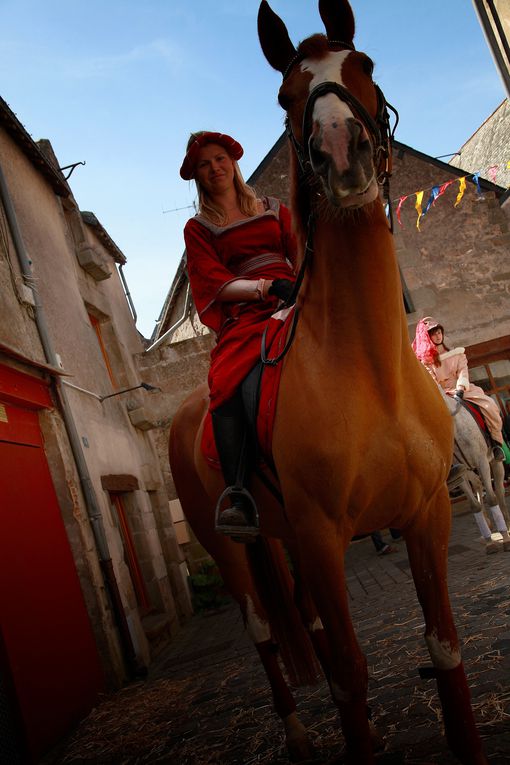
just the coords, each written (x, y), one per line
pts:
(274, 38)
(338, 19)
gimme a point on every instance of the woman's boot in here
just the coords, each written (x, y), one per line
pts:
(230, 434)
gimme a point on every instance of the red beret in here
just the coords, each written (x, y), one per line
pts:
(234, 149)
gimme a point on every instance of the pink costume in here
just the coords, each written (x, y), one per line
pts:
(452, 373)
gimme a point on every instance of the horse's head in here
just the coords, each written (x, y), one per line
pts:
(336, 115)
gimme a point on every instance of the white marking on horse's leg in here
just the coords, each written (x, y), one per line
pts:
(258, 629)
(316, 625)
(483, 525)
(441, 652)
(298, 744)
(499, 520)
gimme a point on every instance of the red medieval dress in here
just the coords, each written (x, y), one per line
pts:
(261, 247)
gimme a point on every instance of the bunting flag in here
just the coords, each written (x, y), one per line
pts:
(476, 180)
(443, 188)
(433, 196)
(400, 203)
(462, 188)
(493, 171)
(419, 200)
(439, 190)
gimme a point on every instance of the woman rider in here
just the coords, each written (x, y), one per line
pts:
(240, 259)
(449, 368)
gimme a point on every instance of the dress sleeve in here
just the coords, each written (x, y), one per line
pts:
(207, 275)
(462, 372)
(288, 239)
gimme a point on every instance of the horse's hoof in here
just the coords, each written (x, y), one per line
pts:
(378, 741)
(491, 548)
(300, 750)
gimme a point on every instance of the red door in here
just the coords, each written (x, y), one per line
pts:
(45, 630)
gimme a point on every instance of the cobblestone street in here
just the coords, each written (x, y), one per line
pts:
(206, 699)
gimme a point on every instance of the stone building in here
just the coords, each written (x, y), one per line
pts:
(92, 579)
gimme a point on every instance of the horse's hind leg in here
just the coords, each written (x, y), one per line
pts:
(428, 556)
(495, 500)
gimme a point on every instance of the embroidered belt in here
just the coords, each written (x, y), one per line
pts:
(256, 262)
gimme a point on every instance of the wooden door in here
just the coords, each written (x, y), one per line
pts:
(47, 639)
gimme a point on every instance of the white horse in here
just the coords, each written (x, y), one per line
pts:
(483, 482)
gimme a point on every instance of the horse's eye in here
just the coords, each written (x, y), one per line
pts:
(368, 66)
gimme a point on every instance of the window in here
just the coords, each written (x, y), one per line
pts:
(494, 378)
(130, 553)
(96, 325)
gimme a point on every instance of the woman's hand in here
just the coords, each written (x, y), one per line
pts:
(282, 288)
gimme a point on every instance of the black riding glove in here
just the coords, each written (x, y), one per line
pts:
(282, 288)
(459, 393)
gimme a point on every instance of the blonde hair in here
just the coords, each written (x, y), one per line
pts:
(246, 196)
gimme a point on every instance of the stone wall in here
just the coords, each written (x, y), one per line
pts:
(488, 147)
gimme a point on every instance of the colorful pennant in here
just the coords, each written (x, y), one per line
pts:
(419, 199)
(462, 188)
(439, 190)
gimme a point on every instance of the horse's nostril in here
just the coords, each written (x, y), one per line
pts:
(317, 157)
(356, 131)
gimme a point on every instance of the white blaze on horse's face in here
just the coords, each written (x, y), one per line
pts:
(340, 147)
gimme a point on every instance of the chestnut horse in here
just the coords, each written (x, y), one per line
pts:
(350, 382)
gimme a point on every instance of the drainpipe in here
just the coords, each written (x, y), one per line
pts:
(169, 332)
(494, 44)
(93, 510)
(127, 293)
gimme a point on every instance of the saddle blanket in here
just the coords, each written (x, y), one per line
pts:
(476, 413)
(276, 336)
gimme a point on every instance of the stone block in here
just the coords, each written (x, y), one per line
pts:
(140, 418)
(93, 262)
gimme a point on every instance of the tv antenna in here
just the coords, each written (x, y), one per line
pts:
(177, 209)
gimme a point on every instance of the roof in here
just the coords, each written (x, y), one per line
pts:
(90, 220)
(22, 138)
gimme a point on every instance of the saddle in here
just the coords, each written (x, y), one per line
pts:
(478, 417)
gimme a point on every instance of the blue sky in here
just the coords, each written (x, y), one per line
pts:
(121, 84)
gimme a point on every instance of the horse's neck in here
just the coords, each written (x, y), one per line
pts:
(353, 295)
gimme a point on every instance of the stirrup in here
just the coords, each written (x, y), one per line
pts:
(238, 533)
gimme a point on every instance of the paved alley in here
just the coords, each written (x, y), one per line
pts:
(206, 700)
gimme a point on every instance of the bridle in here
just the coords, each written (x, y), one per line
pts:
(379, 127)
(381, 134)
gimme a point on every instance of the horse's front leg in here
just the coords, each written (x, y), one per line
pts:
(321, 555)
(428, 557)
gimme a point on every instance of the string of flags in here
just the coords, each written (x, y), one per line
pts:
(439, 190)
